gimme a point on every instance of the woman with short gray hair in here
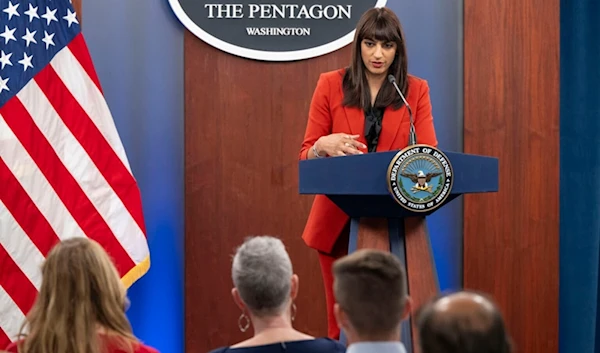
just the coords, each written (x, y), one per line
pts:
(265, 287)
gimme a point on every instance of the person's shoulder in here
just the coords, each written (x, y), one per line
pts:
(329, 345)
(333, 76)
(416, 80)
(219, 350)
(417, 83)
(142, 348)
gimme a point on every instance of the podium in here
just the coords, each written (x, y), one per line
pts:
(358, 185)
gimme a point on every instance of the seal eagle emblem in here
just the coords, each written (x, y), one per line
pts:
(420, 178)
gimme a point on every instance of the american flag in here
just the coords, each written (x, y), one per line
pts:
(63, 169)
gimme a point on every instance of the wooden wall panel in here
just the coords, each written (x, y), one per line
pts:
(244, 123)
(78, 6)
(511, 105)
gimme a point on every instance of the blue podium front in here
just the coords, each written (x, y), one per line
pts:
(360, 186)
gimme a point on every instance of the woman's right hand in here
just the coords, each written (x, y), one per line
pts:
(339, 144)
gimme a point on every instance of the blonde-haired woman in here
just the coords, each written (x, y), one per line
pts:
(80, 307)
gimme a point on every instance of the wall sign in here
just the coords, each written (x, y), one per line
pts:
(275, 31)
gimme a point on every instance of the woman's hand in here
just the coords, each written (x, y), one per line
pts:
(339, 144)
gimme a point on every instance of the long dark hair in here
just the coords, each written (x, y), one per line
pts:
(380, 24)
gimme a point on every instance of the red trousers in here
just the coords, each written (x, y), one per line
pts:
(340, 249)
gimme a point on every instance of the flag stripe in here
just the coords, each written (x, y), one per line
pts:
(23, 253)
(25, 212)
(35, 184)
(11, 318)
(90, 138)
(82, 168)
(4, 338)
(89, 97)
(63, 182)
(15, 282)
(80, 51)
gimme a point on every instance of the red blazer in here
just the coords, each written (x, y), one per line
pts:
(327, 115)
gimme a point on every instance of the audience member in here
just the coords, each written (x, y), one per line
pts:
(80, 307)
(264, 289)
(462, 322)
(371, 301)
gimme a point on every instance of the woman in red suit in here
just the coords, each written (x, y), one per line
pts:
(356, 110)
(80, 307)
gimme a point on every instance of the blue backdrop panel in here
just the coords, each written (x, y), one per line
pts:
(579, 173)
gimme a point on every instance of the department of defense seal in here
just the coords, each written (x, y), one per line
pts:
(420, 178)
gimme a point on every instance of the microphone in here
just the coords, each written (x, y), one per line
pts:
(412, 135)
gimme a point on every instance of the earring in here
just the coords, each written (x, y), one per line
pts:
(241, 319)
(294, 310)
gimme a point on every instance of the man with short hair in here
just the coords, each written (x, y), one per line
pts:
(371, 301)
(463, 322)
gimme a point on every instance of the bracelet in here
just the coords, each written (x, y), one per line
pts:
(314, 149)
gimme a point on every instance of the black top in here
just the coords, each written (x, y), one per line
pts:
(318, 345)
(373, 121)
